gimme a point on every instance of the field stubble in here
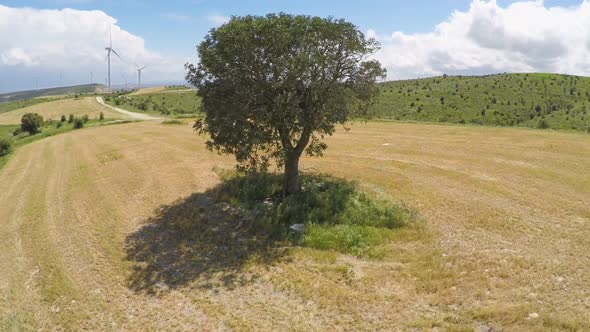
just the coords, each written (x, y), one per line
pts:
(504, 243)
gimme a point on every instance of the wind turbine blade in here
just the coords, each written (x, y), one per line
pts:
(117, 54)
(110, 36)
(106, 57)
(144, 67)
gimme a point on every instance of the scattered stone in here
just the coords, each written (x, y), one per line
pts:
(482, 328)
(533, 315)
(385, 144)
(268, 202)
(297, 228)
(322, 186)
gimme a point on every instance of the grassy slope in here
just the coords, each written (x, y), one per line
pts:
(505, 235)
(68, 90)
(15, 105)
(160, 102)
(55, 109)
(498, 100)
(49, 130)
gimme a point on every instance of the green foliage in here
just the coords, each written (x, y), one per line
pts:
(71, 118)
(335, 213)
(78, 123)
(63, 118)
(273, 86)
(5, 147)
(58, 124)
(85, 118)
(497, 100)
(101, 116)
(543, 124)
(31, 123)
(345, 238)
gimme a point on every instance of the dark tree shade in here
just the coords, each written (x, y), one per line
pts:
(274, 86)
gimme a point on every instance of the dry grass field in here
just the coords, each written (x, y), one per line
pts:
(55, 109)
(503, 245)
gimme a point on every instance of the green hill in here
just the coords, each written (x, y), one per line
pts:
(525, 100)
(66, 90)
(171, 101)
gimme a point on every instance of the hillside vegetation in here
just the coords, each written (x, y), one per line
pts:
(161, 102)
(525, 100)
(66, 90)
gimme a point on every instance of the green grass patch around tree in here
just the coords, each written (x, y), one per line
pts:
(335, 213)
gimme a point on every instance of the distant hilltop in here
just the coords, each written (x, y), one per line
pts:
(67, 90)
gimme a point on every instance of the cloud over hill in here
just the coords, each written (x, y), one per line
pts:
(524, 36)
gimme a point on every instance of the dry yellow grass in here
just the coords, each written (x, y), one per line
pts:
(55, 109)
(505, 236)
(146, 91)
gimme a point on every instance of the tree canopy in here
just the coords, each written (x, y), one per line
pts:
(31, 123)
(274, 86)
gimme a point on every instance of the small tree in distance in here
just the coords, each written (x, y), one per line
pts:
(31, 123)
(272, 87)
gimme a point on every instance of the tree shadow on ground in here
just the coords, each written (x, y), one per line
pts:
(199, 241)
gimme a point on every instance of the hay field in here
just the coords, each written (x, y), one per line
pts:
(55, 109)
(503, 245)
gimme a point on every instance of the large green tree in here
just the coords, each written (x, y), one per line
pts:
(274, 86)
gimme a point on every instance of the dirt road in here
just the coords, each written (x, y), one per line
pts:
(133, 115)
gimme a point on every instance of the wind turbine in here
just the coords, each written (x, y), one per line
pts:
(139, 70)
(124, 79)
(110, 50)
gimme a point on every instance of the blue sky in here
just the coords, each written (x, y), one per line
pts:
(166, 32)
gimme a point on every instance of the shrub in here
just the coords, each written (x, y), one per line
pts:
(85, 118)
(58, 125)
(5, 147)
(17, 131)
(543, 124)
(31, 123)
(63, 118)
(78, 123)
(101, 116)
(71, 118)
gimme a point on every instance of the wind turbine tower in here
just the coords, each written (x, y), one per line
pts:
(110, 50)
(139, 70)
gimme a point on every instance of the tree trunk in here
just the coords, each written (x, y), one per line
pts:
(291, 181)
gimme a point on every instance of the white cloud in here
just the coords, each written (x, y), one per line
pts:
(487, 38)
(218, 19)
(36, 42)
